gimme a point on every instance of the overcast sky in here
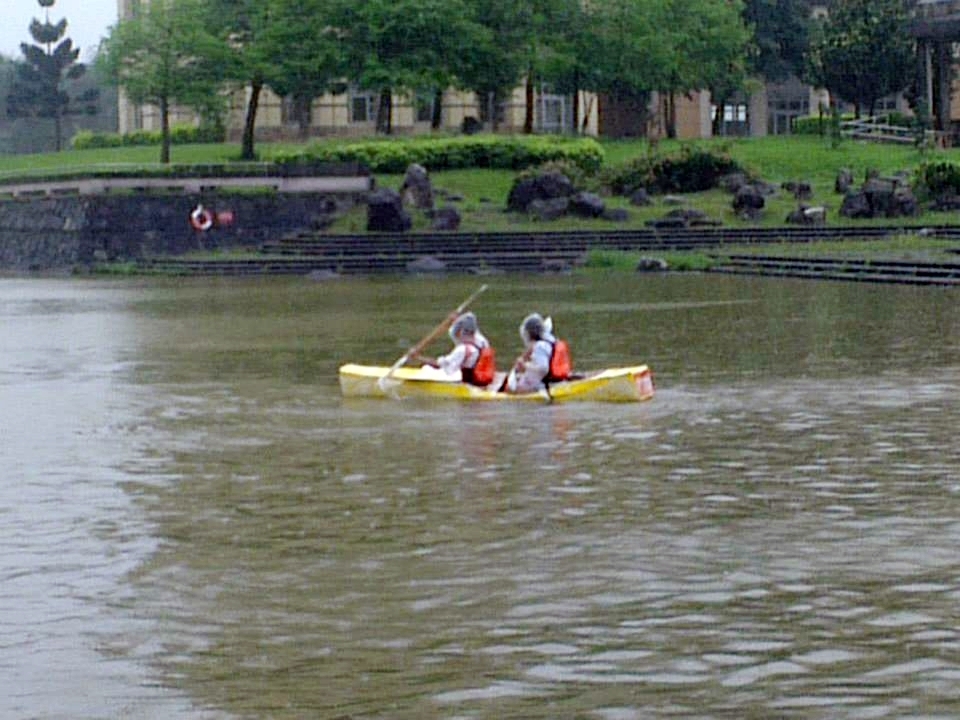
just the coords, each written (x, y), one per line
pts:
(87, 22)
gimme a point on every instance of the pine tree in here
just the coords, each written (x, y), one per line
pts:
(39, 87)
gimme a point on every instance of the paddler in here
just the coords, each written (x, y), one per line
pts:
(545, 359)
(472, 356)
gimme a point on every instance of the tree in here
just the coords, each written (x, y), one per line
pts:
(780, 37)
(863, 51)
(307, 54)
(566, 61)
(404, 46)
(39, 88)
(494, 65)
(632, 54)
(245, 27)
(710, 42)
(164, 55)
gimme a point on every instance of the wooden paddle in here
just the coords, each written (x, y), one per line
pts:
(415, 350)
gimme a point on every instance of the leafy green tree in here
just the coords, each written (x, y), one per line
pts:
(245, 26)
(404, 46)
(307, 54)
(632, 54)
(39, 89)
(163, 56)
(709, 41)
(780, 32)
(494, 65)
(863, 51)
(567, 59)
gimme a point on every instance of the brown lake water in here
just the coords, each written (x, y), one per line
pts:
(194, 524)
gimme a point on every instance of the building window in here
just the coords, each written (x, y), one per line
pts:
(735, 113)
(491, 111)
(293, 112)
(423, 104)
(362, 107)
(552, 113)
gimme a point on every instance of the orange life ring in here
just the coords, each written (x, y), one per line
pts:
(201, 219)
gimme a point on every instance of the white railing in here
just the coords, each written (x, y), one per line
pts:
(877, 129)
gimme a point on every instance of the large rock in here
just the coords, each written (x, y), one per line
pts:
(385, 212)
(446, 218)
(548, 186)
(844, 181)
(551, 209)
(416, 188)
(749, 201)
(807, 215)
(587, 204)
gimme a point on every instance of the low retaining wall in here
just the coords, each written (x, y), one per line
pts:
(68, 233)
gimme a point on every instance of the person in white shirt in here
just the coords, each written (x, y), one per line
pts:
(532, 369)
(471, 358)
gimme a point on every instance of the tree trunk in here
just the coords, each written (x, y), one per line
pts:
(576, 101)
(671, 115)
(385, 112)
(58, 129)
(164, 131)
(302, 106)
(437, 119)
(528, 102)
(250, 121)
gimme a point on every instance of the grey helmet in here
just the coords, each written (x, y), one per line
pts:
(533, 328)
(466, 323)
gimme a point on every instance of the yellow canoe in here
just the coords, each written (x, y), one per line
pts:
(624, 384)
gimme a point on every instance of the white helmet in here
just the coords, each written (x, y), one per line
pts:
(466, 323)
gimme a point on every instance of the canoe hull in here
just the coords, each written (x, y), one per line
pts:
(625, 384)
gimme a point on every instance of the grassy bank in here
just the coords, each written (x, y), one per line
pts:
(482, 193)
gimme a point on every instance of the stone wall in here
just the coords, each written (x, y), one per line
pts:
(71, 233)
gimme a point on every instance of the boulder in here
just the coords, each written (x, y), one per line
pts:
(548, 186)
(616, 215)
(810, 216)
(640, 197)
(586, 204)
(649, 264)
(546, 210)
(385, 212)
(844, 181)
(748, 198)
(445, 218)
(732, 182)
(416, 189)
(801, 190)
(426, 264)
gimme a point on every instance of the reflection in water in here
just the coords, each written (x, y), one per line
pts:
(772, 536)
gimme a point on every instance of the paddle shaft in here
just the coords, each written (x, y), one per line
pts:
(436, 332)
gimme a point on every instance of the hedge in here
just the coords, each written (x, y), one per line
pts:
(453, 153)
(179, 135)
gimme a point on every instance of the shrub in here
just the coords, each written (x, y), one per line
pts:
(692, 170)
(453, 153)
(937, 178)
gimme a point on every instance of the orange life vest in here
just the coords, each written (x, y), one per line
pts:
(560, 363)
(483, 369)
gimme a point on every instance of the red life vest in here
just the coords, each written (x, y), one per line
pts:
(483, 369)
(560, 364)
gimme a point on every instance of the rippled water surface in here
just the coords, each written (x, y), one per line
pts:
(194, 523)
